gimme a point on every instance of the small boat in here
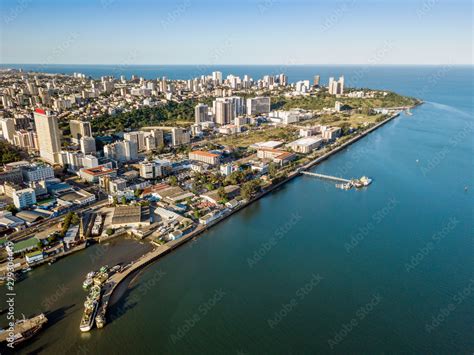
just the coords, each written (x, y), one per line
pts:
(365, 181)
(28, 269)
(52, 261)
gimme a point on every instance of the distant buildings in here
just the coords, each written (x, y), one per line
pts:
(93, 174)
(336, 87)
(48, 136)
(316, 80)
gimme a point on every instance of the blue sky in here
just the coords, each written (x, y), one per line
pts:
(236, 32)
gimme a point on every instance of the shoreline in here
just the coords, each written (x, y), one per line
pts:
(155, 254)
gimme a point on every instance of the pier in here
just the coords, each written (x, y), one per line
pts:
(326, 177)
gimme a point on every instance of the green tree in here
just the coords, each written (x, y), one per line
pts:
(173, 181)
(124, 200)
(11, 208)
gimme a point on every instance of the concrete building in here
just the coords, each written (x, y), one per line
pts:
(336, 87)
(24, 198)
(330, 133)
(93, 174)
(205, 157)
(201, 113)
(121, 151)
(37, 173)
(150, 170)
(87, 145)
(306, 145)
(258, 106)
(137, 138)
(224, 111)
(8, 129)
(90, 161)
(79, 129)
(180, 136)
(48, 136)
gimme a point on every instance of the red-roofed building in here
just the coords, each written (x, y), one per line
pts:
(205, 157)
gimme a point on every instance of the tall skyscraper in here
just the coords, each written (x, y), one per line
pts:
(48, 136)
(79, 129)
(137, 138)
(200, 113)
(224, 112)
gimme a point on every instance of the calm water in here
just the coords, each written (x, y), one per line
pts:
(313, 269)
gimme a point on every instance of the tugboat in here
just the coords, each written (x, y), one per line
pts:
(365, 181)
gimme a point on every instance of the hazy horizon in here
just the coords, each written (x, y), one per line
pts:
(246, 32)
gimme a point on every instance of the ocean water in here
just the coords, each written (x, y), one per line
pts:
(310, 268)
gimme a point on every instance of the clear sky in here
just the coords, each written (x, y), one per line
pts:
(236, 32)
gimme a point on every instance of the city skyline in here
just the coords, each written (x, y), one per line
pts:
(251, 32)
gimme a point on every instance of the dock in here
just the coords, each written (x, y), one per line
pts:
(326, 177)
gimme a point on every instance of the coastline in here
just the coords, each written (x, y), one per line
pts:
(155, 254)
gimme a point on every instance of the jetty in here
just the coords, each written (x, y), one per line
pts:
(327, 177)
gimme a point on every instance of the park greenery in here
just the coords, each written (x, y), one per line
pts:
(8, 153)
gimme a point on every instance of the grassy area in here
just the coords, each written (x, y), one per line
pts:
(253, 136)
(345, 120)
(324, 100)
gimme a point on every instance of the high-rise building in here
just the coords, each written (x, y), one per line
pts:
(8, 128)
(79, 129)
(48, 136)
(137, 138)
(121, 151)
(217, 77)
(336, 87)
(258, 105)
(200, 113)
(180, 136)
(150, 170)
(87, 145)
(224, 112)
(316, 80)
(283, 80)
